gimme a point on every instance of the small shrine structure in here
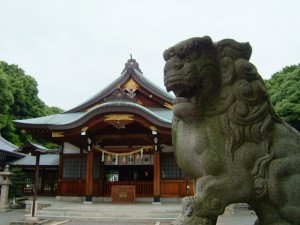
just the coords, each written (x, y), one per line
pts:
(7, 153)
(119, 137)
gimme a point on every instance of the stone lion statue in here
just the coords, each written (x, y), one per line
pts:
(227, 137)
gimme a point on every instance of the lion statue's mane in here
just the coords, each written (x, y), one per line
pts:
(226, 134)
(243, 104)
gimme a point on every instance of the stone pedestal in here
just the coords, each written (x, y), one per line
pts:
(6, 175)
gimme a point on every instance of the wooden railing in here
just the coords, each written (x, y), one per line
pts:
(47, 185)
(175, 188)
(143, 188)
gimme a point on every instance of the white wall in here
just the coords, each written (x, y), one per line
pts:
(70, 149)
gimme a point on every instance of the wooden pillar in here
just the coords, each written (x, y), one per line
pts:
(89, 178)
(156, 182)
(102, 178)
(60, 169)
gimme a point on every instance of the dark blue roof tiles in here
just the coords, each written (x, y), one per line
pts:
(158, 114)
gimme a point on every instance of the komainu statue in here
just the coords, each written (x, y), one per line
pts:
(227, 137)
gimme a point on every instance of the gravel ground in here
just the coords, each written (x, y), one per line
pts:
(242, 216)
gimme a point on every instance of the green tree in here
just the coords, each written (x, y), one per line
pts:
(6, 99)
(284, 94)
(18, 181)
(19, 100)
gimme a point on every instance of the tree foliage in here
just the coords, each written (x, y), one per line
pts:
(19, 100)
(284, 94)
(17, 182)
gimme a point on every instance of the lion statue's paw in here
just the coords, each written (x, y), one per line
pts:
(188, 216)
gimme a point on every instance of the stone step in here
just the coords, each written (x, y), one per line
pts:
(107, 210)
(113, 213)
(101, 218)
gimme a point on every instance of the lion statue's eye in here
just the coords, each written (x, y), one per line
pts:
(187, 59)
(181, 51)
(190, 57)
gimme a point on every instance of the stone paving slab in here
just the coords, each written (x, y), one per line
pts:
(242, 216)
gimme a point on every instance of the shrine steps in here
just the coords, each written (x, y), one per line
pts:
(107, 212)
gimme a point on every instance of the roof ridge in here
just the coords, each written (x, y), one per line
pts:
(131, 69)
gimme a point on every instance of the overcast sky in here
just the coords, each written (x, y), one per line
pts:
(74, 48)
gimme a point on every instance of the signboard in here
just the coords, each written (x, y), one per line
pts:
(123, 194)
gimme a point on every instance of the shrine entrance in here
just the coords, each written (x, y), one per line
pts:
(134, 171)
(140, 176)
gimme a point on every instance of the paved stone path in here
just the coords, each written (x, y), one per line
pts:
(242, 216)
(15, 214)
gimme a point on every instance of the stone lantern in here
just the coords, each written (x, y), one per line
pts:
(6, 176)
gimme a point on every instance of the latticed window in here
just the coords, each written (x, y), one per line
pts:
(169, 168)
(112, 175)
(74, 167)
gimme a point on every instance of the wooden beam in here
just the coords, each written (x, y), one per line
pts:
(127, 136)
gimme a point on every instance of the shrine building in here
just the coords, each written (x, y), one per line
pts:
(119, 137)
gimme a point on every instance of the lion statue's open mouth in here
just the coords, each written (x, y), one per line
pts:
(190, 66)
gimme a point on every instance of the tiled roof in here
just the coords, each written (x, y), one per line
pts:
(153, 85)
(161, 114)
(130, 70)
(164, 113)
(95, 106)
(45, 160)
(57, 119)
(6, 145)
(7, 151)
(100, 93)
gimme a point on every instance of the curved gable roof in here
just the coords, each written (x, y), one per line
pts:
(158, 116)
(131, 70)
(45, 160)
